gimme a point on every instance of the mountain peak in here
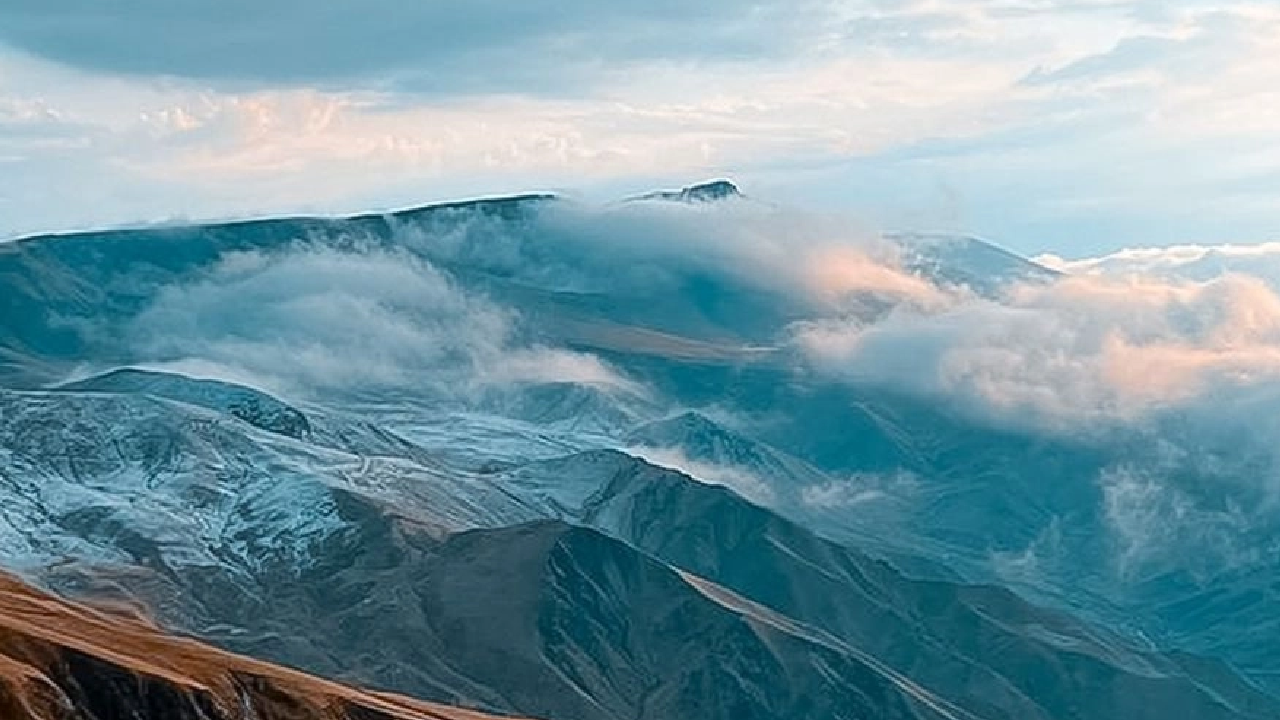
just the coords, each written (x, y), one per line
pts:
(708, 191)
(251, 405)
(678, 428)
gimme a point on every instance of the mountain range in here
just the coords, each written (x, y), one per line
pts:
(525, 458)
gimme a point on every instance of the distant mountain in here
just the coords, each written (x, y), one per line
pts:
(59, 287)
(258, 408)
(967, 261)
(703, 448)
(702, 192)
(71, 297)
(1200, 263)
(702, 439)
(573, 407)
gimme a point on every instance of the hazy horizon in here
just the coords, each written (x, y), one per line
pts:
(1070, 126)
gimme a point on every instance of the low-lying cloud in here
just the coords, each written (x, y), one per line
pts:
(1156, 524)
(741, 480)
(859, 489)
(1065, 354)
(325, 319)
(1083, 349)
(821, 262)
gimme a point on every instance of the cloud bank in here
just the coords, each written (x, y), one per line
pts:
(1080, 350)
(822, 261)
(1193, 262)
(741, 480)
(317, 318)
(1069, 355)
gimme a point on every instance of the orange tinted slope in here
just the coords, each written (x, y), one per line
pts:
(66, 661)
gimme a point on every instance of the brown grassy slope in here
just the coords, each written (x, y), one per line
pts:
(67, 661)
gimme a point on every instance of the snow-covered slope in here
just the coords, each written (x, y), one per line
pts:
(226, 527)
(253, 406)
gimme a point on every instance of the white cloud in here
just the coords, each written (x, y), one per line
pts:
(1193, 262)
(1081, 350)
(860, 489)
(815, 260)
(835, 273)
(1156, 525)
(740, 480)
(323, 319)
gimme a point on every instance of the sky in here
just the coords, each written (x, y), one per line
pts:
(1071, 127)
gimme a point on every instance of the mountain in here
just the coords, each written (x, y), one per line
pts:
(368, 551)
(66, 295)
(67, 661)
(709, 191)
(968, 262)
(253, 406)
(566, 622)
(574, 407)
(376, 572)
(929, 630)
(518, 456)
(713, 453)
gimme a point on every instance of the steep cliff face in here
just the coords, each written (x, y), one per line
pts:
(66, 661)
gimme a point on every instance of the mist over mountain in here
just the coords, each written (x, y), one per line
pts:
(689, 455)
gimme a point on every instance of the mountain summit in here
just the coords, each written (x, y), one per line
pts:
(700, 192)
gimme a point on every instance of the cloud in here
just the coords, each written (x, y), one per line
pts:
(1067, 355)
(430, 46)
(913, 113)
(860, 489)
(1175, 380)
(1192, 262)
(805, 259)
(837, 272)
(1080, 351)
(740, 480)
(147, 150)
(1156, 524)
(321, 319)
